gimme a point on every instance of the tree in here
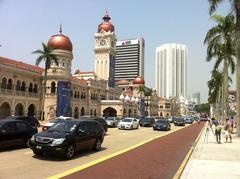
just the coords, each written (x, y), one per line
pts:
(215, 90)
(148, 93)
(221, 47)
(236, 9)
(141, 90)
(46, 54)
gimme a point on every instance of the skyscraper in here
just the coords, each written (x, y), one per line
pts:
(196, 98)
(171, 70)
(129, 62)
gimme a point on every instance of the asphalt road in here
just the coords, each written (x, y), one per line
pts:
(157, 159)
(22, 163)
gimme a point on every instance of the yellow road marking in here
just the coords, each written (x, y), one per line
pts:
(79, 168)
(187, 157)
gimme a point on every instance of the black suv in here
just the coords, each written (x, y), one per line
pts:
(179, 121)
(29, 119)
(15, 132)
(67, 137)
(147, 121)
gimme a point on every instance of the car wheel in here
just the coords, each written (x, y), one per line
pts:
(113, 125)
(38, 153)
(69, 152)
(98, 144)
(137, 126)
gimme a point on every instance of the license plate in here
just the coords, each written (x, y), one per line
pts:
(39, 147)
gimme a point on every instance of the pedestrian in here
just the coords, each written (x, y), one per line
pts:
(228, 128)
(218, 129)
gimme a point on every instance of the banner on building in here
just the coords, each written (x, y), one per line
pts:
(142, 107)
(111, 79)
(64, 98)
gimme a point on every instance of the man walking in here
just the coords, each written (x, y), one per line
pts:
(218, 129)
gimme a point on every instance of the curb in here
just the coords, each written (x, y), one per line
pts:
(187, 157)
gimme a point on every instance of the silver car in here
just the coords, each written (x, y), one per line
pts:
(112, 121)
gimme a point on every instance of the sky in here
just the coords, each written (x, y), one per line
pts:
(25, 24)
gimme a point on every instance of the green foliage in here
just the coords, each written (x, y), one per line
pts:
(202, 108)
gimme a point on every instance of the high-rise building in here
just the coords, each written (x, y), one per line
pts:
(105, 51)
(129, 62)
(196, 98)
(171, 70)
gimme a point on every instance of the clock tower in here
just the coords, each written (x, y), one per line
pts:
(105, 51)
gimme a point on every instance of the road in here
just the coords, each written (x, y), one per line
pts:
(22, 163)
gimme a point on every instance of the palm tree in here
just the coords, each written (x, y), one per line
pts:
(221, 47)
(46, 54)
(214, 93)
(236, 8)
(148, 93)
(141, 90)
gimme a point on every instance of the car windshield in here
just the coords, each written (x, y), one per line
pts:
(179, 119)
(145, 119)
(127, 120)
(64, 126)
(110, 119)
(162, 121)
(56, 120)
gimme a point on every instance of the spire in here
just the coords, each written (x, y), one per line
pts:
(106, 17)
(60, 30)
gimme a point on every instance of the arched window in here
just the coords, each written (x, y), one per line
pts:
(4, 83)
(95, 112)
(53, 87)
(18, 86)
(35, 90)
(82, 111)
(23, 86)
(9, 84)
(30, 88)
(91, 113)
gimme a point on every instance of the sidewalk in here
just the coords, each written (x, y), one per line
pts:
(211, 160)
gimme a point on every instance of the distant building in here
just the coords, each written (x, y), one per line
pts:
(171, 70)
(196, 98)
(129, 62)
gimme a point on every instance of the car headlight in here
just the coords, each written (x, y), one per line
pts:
(58, 141)
(164, 126)
(33, 138)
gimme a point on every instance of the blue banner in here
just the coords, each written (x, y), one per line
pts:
(64, 98)
(142, 107)
(111, 79)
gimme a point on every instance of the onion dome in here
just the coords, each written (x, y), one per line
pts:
(106, 25)
(60, 41)
(139, 80)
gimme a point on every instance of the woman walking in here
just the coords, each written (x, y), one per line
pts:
(228, 128)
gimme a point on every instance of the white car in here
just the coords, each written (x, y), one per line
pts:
(46, 126)
(128, 123)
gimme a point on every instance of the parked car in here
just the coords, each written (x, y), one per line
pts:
(29, 119)
(147, 121)
(15, 132)
(112, 121)
(179, 121)
(46, 126)
(128, 123)
(188, 120)
(103, 123)
(67, 137)
(162, 124)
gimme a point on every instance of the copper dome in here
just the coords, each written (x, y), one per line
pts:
(139, 80)
(60, 41)
(106, 25)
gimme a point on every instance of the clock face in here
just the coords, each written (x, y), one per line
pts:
(102, 42)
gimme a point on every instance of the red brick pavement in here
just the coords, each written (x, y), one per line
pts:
(158, 159)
